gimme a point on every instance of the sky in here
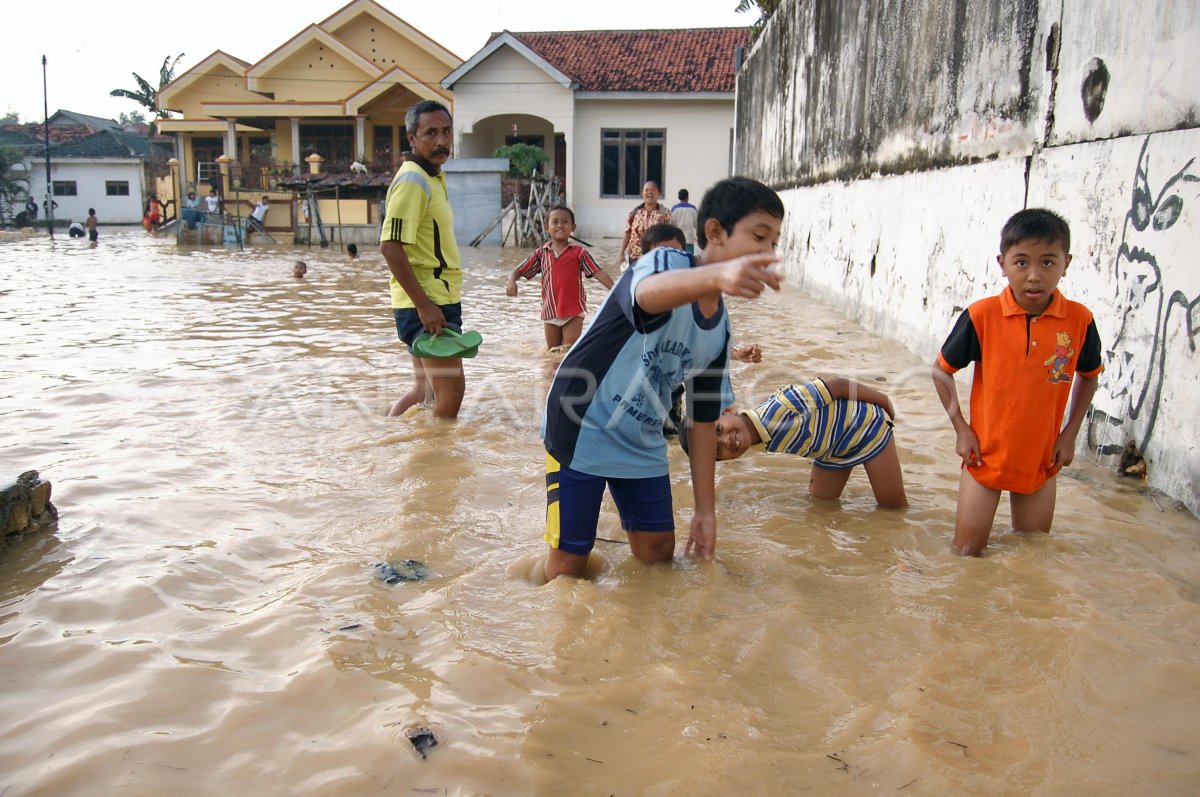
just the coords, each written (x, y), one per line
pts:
(93, 46)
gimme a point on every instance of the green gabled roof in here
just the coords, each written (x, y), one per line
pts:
(104, 144)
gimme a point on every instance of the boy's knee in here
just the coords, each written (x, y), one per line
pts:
(652, 547)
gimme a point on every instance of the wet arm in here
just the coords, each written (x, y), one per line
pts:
(1081, 399)
(841, 388)
(702, 536)
(603, 278)
(966, 442)
(397, 261)
(744, 276)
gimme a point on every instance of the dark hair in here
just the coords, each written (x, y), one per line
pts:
(564, 208)
(1036, 224)
(661, 234)
(413, 115)
(352, 248)
(683, 195)
(731, 200)
(91, 211)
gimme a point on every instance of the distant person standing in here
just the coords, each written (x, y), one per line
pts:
(683, 214)
(212, 202)
(92, 224)
(640, 219)
(417, 241)
(31, 208)
(258, 218)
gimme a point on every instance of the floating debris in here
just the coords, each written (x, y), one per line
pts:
(396, 572)
(1132, 463)
(422, 739)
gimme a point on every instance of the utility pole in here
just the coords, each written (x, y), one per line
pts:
(46, 125)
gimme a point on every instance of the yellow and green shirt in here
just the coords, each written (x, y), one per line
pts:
(419, 217)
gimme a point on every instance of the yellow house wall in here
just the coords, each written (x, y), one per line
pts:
(386, 49)
(354, 211)
(219, 86)
(314, 74)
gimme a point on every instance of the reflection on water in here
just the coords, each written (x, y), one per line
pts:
(206, 619)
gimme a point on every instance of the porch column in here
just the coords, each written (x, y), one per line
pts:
(231, 138)
(295, 145)
(179, 156)
(360, 138)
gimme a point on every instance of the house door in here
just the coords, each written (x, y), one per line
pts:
(560, 159)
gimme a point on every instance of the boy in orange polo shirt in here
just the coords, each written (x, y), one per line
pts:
(1033, 350)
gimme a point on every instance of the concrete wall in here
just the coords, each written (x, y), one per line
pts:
(903, 136)
(90, 177)
(698, 154)
(474, 188)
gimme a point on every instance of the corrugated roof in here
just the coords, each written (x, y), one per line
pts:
(694, 60)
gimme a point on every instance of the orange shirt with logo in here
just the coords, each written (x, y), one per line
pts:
(1024, 366)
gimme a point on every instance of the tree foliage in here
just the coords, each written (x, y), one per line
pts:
(523, 158)
(765, 9)
(145, 94)
(14, 183)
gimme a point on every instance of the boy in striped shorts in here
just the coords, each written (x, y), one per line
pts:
(835, 422)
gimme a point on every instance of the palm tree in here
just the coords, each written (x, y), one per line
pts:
(13, 183)
(765, 9)
(147, 95)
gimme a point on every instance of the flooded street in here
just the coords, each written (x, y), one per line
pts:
(206, 619)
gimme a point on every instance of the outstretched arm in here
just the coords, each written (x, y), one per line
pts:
(966, 443)
(744, 276)
(1081, 399)
(603, 278)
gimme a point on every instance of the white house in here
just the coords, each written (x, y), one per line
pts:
(612, 108)
(105, 171)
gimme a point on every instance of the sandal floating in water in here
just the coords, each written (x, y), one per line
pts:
(397, 572)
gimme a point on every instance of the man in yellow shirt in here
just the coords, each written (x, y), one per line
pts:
(417, 241)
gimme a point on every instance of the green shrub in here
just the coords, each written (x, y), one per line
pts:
(523, 159)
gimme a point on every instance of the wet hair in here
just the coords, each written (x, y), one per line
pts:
(683, 195)
(299, 268)
(352, 249)
(660, 234)
(413, 115)
(1036, 224)
(563, 208)
(731, 200)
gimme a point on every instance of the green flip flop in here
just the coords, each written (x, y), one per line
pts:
(446, 344)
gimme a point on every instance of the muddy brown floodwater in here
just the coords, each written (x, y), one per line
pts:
(206, 619)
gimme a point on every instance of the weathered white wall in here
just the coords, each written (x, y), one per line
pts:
(90, 177)
(697, 141)
(906, 252)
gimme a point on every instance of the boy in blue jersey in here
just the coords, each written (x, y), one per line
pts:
(663, 324)
(837, 423)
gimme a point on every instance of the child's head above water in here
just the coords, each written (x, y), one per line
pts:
(663, 235)
(739, 216)
(299, 269)
(735, 435)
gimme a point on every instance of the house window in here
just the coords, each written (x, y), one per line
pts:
(628, 158)
(64, 188)
(116, 187)
(334, 143)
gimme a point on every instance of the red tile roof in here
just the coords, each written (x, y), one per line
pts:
(700, 59)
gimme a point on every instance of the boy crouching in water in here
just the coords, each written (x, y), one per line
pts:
(837, 423)
(663, 324)
(1033, 349)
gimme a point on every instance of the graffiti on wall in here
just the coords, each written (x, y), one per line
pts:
(1156, 314)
